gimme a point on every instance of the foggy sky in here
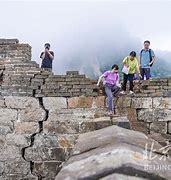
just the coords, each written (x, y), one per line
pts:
(86, 30)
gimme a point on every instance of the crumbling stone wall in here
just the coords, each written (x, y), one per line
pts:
(149, 110)
(42, 114)
(37, 135)
(23, 77)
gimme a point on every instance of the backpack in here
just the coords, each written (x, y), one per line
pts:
(151, 58)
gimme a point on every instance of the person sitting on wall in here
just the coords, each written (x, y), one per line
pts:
(47, 57)
(130, 67)
(111, 84)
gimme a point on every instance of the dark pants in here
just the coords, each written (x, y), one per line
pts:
(145, 72)
(129, 78)
(111, 91)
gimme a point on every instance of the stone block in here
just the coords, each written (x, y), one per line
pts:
(46, 153)
(123, 102)
(141, 103)
(99, 102)
(17, 167)
(1, 167)
(47, 169)
(26, 127)
(150, 115)
(10, 152)
(80, 102)
(163, 103)
(18, 140)
(15, 102)
(31, 115)
(158, 127)
(2, 102)
(7, 116)
(169, 127)
(61, 127)
(4, 130)
(51, 103)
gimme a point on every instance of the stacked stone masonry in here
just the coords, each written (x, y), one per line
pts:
(42, 114)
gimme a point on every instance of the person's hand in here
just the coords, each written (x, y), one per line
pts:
(46, 50)
(97, 84)
(150, 64)
(140, 75)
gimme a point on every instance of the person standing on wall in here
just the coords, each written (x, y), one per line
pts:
(111, 83)
(130, 67)
(147, 59)
(47, 58)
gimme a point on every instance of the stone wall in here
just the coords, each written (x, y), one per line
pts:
(23, 77)
(42, 114)
(37, 135)
(149, 109)
(120, 155)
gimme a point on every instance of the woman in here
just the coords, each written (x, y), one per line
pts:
(111, 86)
(131, 63)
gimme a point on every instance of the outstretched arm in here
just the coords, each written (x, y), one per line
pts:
(99, 80)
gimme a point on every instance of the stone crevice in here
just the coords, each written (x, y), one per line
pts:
(32, 138)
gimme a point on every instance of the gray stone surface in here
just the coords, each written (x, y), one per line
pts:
(54, 103)
(114, 150)
(15, 102)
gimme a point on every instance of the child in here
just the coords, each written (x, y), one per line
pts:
(111, 86)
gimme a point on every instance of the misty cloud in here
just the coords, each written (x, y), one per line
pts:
(88, 36)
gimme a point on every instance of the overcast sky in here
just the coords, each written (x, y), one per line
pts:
(69, 25)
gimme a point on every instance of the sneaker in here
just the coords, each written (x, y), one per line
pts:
(109, 113)
(131, 92)
(122, 92)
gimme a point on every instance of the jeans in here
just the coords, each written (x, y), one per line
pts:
(129, 78)
(145, 72)
(111, 90)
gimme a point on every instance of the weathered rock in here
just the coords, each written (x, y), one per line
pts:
(31, 115)
(109, 151)
(80, 102)
(4, 130)
(48, 148)
(10, 152)
(46, 169)
(7, 116)
(145, 103)
(18, 140)
(1, 167)
(169, 127)
(57, 103)
(118, 176)
(17, 167)
(163, 103)
(26, 127)
(159, 127)
(15, 102)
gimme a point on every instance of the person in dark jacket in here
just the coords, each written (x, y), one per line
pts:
(47, 58)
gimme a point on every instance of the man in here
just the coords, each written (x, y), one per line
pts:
(147, 59)
(47, 57)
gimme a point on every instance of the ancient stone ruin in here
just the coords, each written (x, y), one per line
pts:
(49, 122)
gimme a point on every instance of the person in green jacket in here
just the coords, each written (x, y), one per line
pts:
(131, 63)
